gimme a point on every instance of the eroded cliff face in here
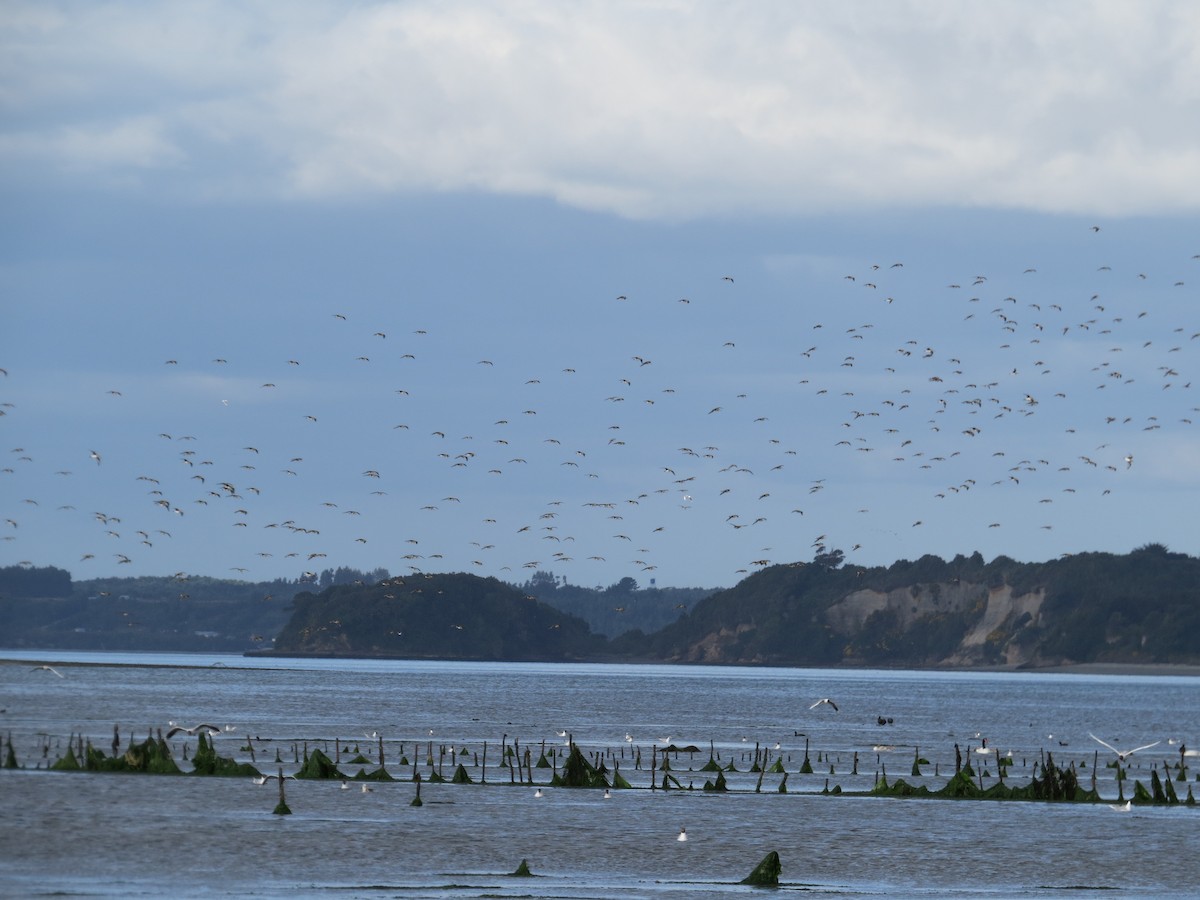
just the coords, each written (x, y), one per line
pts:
(908, 604)
(1006, 616)
(996, 616)
(996, 623)
(714, 648)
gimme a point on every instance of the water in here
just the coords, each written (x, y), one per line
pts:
(104, 835)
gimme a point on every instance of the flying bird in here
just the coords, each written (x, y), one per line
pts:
(825, 700)
(180, 729)
(1122, 755)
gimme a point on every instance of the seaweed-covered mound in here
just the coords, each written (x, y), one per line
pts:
(1054, 784)
(766, 873)
(207, 762)
(578, 772)
(150, 756)
(10, 756)
(380, 774)
(319, 766)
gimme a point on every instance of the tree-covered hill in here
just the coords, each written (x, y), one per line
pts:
(1143, 607)
(455, 616)
(177, 612)
(1140, 607)
(622, 606)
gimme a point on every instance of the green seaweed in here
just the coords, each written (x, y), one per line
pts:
(578, 772)
(319, 766)
(522, 871)
(1055, 784)
(380, 774)
(766, 873)
(206, 762)
(67, 762)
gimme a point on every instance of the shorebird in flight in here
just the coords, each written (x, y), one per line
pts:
(180, 729)
(825, 700)
(1122, 755)
(47, 669)
(263, 779)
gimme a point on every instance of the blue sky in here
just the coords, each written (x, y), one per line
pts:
(655, 290)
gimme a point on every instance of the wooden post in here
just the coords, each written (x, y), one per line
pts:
(282, 809)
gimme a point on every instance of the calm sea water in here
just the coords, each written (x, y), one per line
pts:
(97, 835)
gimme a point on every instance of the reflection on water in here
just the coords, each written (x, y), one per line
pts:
(69, 834)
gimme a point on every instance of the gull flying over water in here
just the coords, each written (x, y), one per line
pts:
(47, 669)
(263, 779)
(825, 700)
(1122, 755)
(180, 729)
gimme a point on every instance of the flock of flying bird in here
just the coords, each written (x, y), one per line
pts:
(843, 424)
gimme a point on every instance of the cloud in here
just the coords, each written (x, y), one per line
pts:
(647, 110)
(106, 147)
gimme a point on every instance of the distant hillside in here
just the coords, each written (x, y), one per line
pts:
(1143, 607)
(455, 616)
(620, 607)
(188, 613)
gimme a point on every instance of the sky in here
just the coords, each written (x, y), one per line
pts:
(662, 290)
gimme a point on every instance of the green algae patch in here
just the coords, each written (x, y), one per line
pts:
(1141, 796)
(380, 774)
(67, 762)
(151, 757)
(522, 871)
(206, 762)
(719, 786)
(1054, 784)
(578, 772)
(766, 873)
(319, 766)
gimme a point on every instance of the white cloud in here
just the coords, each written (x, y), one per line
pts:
(659, 110)
(131, 143)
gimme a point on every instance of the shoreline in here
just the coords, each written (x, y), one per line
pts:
(54, 656)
